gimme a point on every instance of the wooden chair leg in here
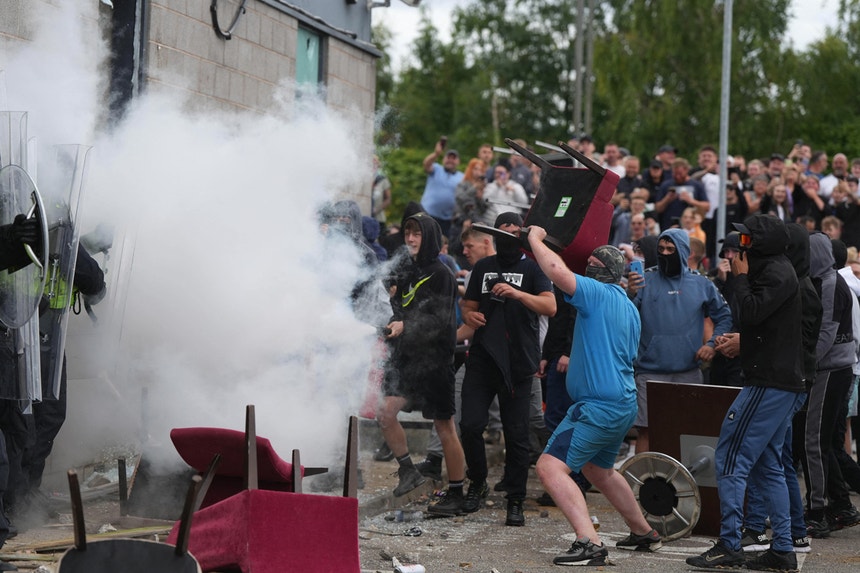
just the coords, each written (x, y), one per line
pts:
(251, 481)
(77, 511)
(297, 472)
(206, 481)
(350, 470)
(187, 513)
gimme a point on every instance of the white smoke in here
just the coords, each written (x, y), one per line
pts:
(232, 298)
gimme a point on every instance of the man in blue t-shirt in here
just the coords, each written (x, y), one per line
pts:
(441, 187)
(600, 383)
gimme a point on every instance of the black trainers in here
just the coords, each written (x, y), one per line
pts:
(817, 529)
(515, 515)
(475, 497)
(431, 467)
(839, 519)
(449, 506)
(717, 557)
(583, 552)
(546, 500)
(772, 560)
(383, 453)
(502, 485)
(752, 540)
(801, 544)
(651, 541)
(410, 478)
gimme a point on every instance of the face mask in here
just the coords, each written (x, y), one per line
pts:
(670, 265)
(507, 255)
(601, 274)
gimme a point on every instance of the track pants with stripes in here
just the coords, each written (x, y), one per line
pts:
(750, 451)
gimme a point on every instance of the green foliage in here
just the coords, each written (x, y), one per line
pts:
(508, 72)
(404, 170)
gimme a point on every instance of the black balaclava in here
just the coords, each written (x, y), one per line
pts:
(670, 265)
(508, 248)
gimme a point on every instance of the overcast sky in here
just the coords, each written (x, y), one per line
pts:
(809, 20)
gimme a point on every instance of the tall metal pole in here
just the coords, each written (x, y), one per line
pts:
(576, 120)
(725, 85)
(589, 67)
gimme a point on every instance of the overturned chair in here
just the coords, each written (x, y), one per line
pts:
(573, 204)
(274, 530)
(129, 555)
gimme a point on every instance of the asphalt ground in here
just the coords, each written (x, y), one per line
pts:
(482, 543)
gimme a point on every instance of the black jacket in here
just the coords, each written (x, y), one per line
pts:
(769, 310)
(798, 254)
(424, 301)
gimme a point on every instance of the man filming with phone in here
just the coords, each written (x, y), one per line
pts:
(441, 187)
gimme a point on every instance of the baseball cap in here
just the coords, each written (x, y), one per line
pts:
(655, 163)
(452, 152)
(665, 148)
(612, 258)
(732, 241)
(777, 156)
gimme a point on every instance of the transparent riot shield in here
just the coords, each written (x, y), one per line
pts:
(63, 187)
(21, 288)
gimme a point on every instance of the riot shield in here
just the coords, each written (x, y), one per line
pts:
(21, 288)
(63, 189)
(572, 204)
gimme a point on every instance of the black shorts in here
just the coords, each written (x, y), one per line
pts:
(429, 388)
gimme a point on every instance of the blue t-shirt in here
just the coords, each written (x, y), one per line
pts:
(605, 342)
(438, 198)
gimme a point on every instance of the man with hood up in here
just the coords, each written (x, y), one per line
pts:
(749, 450)
(673, 303)
(836, 354)
(420, 372)
(506, 294)
(753, 534)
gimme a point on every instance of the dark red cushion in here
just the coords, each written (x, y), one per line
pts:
(262, 531)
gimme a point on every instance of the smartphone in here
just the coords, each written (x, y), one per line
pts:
(638, 268)
(443, 141)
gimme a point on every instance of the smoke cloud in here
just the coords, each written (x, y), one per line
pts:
(222, 290)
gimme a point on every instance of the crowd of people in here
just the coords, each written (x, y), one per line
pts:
(771, 308)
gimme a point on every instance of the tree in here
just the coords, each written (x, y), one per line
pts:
(673, 93)
(425, 99)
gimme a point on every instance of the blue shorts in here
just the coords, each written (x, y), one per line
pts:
(591, 432)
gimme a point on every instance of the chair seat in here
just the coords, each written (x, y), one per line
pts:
(128, 556)
(262, 531)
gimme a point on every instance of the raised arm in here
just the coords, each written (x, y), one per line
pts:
(550, 263)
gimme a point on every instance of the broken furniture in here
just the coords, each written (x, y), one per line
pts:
(197, 447)
(128, 555)
(680, 497)
(275, 531)
(572, 204)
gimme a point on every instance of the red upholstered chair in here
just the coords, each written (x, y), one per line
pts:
(197, 447)
(275, 531)
(572, 204)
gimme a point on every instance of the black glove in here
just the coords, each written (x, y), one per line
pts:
(26, 230)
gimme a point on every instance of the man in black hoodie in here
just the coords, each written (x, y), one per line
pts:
(753, 431)
(753, 536)
(505, 296)
(420, 371)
